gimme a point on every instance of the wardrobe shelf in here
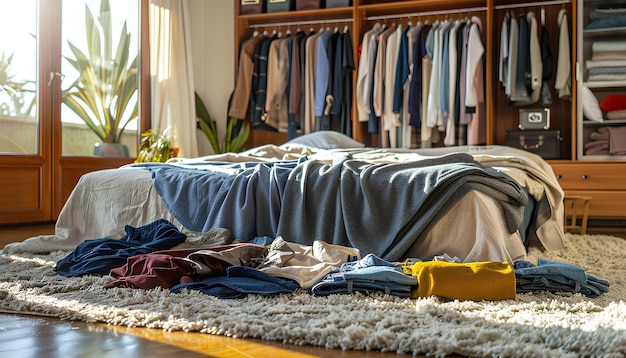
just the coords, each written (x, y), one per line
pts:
(605, 122)
(598, 3)
(604, 157)
(301, 15)
(408, 7)
(609, 32)
(605, 84)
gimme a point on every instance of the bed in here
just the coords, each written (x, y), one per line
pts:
(478, 203)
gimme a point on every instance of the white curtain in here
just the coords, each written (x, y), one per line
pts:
(171, 74)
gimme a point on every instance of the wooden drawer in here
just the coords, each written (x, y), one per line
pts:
(592, 176)
(604, 203)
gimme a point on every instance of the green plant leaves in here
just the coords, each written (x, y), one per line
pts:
(103, 96)
(235, 137)
(155, 147)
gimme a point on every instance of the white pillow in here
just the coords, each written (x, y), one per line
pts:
(326, 139)
(591, 107)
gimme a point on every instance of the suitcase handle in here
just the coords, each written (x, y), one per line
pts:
(540, 140)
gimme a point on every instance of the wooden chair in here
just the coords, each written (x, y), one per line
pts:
(572, 202)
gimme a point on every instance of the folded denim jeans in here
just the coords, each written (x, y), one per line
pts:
(370, 274)
(557, 276)
(324, 288)
(555, 284)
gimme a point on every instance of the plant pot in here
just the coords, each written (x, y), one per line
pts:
(111, 150)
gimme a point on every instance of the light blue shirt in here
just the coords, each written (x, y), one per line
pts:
(322, 73)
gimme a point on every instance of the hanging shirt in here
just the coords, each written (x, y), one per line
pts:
(412, 35)
(259, 113)
(363, 79)
(347, 70)
(460, 72)
(295, 85)
(402, 70)
(434, 92)
(275, 98)
(475, 85)
(534, 72)
(546, 59)
(241, 96)
(373, 119)
(322, 74)
(379, 70)
(503, 61)
(309, 79)
(391, 120)
(427, 68)
(475, 51)
(563, 81)
(511, 80)
(453, 65)
(415, 84)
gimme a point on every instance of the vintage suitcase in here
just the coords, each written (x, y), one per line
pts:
(547, 144)
(279, 5)
(248, 7)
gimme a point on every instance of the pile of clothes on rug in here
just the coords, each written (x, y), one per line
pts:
(159, 255)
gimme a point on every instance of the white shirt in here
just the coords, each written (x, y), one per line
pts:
(563, 80)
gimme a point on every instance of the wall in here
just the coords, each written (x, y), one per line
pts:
(213, 28)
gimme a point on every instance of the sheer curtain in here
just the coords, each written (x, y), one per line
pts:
(171, 73)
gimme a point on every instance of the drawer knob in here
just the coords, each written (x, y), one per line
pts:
(585, 177)
(559, 176)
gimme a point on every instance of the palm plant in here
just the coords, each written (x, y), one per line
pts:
(236, 133)
(102, 96)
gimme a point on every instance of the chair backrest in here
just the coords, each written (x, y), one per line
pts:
(576, 206)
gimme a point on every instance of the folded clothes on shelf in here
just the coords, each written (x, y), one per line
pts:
(616, 115)
(609, 140)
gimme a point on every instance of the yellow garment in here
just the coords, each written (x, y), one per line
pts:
(475, 281)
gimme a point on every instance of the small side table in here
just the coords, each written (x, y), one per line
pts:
(572, 204)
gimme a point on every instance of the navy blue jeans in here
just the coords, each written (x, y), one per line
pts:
(239, 282)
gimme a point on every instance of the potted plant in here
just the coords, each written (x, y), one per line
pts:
(104, 95)
(155, 146)
(236, 132)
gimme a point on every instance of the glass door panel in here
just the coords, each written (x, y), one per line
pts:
(19, 126)
(100, 77)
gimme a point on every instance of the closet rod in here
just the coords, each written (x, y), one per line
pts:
(329, 21)
(427, 13)
(538, 3)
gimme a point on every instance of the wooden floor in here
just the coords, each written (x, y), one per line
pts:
(35, 336)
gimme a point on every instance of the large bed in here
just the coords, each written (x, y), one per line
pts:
(478, 203)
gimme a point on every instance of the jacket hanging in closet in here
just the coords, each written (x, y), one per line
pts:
(299, 83)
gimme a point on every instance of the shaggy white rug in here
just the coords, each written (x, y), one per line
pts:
(532, 325)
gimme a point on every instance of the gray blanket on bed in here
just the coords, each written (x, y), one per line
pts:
(378, 208)
(384, 208)
(242, 197)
